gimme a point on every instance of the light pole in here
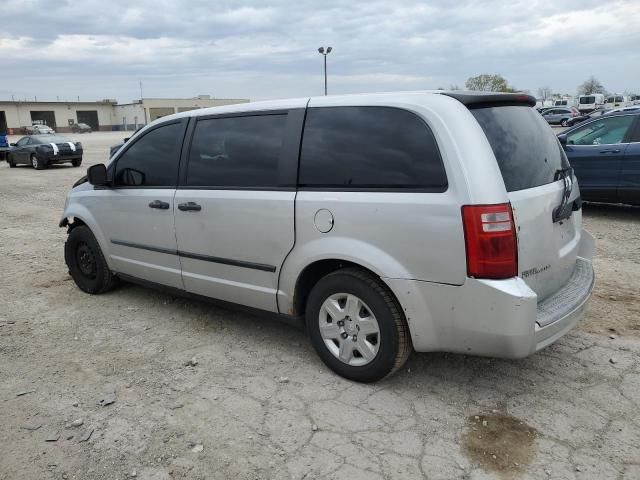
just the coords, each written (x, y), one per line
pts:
(324, 53)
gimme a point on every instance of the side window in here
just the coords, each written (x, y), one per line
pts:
(22, 142)
(152, 161)
(237, 151)
(369, 147)
(606, 131)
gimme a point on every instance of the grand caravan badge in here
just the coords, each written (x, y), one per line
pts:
(535, 271)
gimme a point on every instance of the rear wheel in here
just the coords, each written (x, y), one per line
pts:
(356, 326)
(564, 122)
(37, 163)
(10, 161)
(86, 263)
(76, 162)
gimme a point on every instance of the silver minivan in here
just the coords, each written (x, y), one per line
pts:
(386, 223)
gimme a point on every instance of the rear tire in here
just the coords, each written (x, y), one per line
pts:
(10, 162)
(77, 162)
(337, 332)
(564, 122)
(37, 163)
(86, 263)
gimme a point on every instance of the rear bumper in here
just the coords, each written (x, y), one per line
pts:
(497, 318)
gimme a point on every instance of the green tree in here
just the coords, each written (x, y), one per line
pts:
(488, 83)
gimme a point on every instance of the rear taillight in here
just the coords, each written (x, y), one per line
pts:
(490, 240)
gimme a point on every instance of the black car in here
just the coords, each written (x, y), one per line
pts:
(584, 117)
(81, 128)
(40, 151)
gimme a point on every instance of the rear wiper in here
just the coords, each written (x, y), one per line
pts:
(564, 210)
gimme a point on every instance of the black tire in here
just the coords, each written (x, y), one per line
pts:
(10, 161)
(76, 162)
(86, 263)
(37, 163)
(394, 338)
(564, 122)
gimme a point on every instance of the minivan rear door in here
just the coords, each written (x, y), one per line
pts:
(533, 163)
(234, 207)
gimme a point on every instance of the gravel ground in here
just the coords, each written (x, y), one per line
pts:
(97, 387)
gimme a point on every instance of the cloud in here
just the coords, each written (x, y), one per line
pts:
(261, 50)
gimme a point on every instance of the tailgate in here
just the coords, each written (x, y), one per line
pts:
(532, 163)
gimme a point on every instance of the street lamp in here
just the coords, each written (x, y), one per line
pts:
(324, 53)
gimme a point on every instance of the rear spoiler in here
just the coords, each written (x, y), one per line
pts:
(492, 99)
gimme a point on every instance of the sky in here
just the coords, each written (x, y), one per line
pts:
(257, 49)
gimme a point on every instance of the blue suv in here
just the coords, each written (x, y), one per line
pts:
(605, 156)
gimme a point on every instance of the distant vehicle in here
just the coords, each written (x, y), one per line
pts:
(613, 101)
(630, 108)
(4, 146)
(40, 151)
(38, 129)
(605, 155)
(81, 128)
(114, 149)
(634, 99)
(589, 103)
(584, 117)
(559, 115)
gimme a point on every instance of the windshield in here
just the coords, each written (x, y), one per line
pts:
(587, 100)
(50, 139)
(527, 151)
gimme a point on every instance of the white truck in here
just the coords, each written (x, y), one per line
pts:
(591, 102)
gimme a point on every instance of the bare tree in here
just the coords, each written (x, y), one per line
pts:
(544, 93)
(591, 85)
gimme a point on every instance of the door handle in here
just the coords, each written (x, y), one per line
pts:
(159, 204)
(610, 151)
(189, 207)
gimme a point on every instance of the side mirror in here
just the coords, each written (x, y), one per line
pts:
(12, 144)
(97, 175)
(562, 138)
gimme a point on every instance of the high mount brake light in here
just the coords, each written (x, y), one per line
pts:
(490, 241)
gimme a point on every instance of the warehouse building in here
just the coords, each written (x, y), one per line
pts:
(104, 115)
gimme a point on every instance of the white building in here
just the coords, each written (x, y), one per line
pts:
(104, 115)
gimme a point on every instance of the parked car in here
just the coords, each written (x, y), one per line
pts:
(559, 115)
(584, 117)
(443, 221)
(113, 149)
(38, 129)
(630, 108)
(40, 151)
(4, 146)
(605, 154)
(81, 128)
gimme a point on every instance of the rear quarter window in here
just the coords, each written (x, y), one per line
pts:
(369, 148)
(527, 151)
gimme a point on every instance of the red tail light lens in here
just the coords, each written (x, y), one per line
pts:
(490, 240)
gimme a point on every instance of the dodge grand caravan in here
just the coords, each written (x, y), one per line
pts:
(434, 221)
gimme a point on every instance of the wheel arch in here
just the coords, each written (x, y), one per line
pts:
(78, 215)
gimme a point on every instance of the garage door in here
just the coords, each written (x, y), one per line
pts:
(90, 117)
(46, 116)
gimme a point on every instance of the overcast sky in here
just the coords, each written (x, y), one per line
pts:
(268, 49)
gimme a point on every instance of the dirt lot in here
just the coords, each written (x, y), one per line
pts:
(259, 404)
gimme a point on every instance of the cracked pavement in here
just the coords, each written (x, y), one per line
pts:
(259, 401)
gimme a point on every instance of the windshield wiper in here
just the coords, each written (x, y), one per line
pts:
(565, 209)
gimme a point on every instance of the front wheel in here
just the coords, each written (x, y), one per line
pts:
(37, 163)
(10, 161)
(76, 162)
(356, 326)
(564, 122)
(86, 263)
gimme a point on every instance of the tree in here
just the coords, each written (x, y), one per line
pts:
(591, 85)
(488, 83)
(544, 93)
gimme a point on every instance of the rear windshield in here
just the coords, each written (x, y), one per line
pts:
(526, 149)
(587, 100)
